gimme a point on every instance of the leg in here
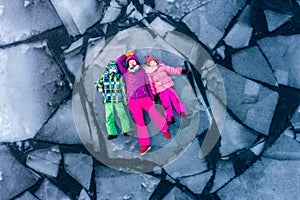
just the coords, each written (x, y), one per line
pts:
(110, 119)
(158, 119)
(125, 123)
(166, 103)
(135, 107)
(177, 103)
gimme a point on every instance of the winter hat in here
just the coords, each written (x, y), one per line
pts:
(112, 64)
(133, 57)
(149, 58)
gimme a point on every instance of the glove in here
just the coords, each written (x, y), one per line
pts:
(130, 53)
(185, 71)
(156, 97)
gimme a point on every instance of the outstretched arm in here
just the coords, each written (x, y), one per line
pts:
(121, 63)
(171, 70)
(99, 83)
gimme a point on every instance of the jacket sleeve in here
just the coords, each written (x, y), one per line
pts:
(147, 85)
(123, 87)
(171, 70)
(121, 63)
(99, 82)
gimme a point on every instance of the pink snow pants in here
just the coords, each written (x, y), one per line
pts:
(168, 98)
(136, 107)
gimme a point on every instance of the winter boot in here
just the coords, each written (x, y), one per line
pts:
(144, 149)
(111, 137)
(167, 134)
(172, 121)
(129, 133)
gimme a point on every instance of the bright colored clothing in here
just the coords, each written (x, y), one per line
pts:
(159, 78)
(140, 98)
(168, 98)
(110, 118)
(136, 82)
(113, 87)
(136, 107)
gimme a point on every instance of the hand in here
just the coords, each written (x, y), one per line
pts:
(153, 102)
(185, 71)
(100, 90)
(125, 103)
(130, 53)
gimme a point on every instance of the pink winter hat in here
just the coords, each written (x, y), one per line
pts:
(149, 58)
(133, 57)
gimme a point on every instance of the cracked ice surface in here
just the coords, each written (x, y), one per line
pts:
(182, 167)
(255, 105)
(275, 19)
(45, 161)
(49, 191)
(15, 178)
(283, 54)
(60, 129)
(27, 196)
(210, 21)
(31, 20)
(78, 15)
(28, 87)
(175, 193)
(240, 34)
(130, 186)
(79, 166)
(257, 69)
(270, 178)
(235, 136)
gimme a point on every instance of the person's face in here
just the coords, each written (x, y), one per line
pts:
(132, 63)
(113, 70)
(153, 63)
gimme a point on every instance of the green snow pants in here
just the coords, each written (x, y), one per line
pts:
(110, 118)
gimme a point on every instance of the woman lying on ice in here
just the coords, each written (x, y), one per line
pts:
(140, 98)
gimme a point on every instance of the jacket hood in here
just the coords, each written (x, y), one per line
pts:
(110, 65)
(133, 57)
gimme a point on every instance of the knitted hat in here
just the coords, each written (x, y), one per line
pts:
(149, 58)
(112, 64)
(133, 57)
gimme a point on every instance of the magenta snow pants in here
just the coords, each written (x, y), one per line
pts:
(168, 98)
(136, 107)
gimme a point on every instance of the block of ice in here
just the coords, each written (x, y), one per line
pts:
(283, 54)
(182, 166)
(268, 179)
(210, 21)
(175, 193)
(49, 191)
(275, 19)
(224, 173)
(27, 196)
(32, 87)
(14, 177)
(244, 63)
(130, 186)
(78, 15)
(80, 167)
(235, 136)
(60, 129)
(255, 111)
(198, 182)
(45, 161)
(19, 23)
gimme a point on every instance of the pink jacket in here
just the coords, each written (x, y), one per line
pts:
(159, 78)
